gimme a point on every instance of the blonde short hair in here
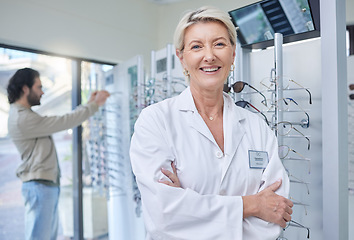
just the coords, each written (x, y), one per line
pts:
(203, 14)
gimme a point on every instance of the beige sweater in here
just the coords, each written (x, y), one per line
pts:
(31, 134)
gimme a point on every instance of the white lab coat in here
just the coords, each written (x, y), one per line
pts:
(209, 204)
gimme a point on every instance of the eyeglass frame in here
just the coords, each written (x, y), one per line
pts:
(296, 224)
(290, 149)
(292, 127)
(298, 180)
(273, 81)
(305, 123)
(227, 89)
(249, 104)
(297, 202)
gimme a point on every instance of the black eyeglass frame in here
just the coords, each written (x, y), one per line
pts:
(243, 104)
(298, 225)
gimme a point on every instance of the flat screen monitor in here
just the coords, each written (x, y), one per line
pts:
(257, 23)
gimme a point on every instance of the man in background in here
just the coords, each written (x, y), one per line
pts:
(31, 133)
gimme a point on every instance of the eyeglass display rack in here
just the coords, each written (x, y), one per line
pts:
(104, 145)
(108, 148)
(278, 115)
(166, 79)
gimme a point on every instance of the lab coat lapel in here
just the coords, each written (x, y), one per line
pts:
(197, 122)
(193, 119)
(233, 132)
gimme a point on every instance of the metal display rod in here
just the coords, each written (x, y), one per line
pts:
(278, 68)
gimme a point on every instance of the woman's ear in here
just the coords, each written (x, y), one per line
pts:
(181, 59)
(179, 54)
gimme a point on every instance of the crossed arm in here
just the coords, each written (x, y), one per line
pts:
(266, 204)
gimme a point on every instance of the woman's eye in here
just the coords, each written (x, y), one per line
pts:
(196, 47)
(220, 44)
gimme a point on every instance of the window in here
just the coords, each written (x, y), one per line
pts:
(57, 79)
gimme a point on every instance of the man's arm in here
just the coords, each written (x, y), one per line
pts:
(33, 125)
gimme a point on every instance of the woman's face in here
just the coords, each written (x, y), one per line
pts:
(207, 55)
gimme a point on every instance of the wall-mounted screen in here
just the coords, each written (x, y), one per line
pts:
(257, 23)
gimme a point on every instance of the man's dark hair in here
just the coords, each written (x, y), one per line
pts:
(22, 77)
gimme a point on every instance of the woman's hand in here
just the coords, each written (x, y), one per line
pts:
(172, 176)
(269, 206)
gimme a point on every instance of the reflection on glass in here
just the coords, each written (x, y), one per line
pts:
(258, 22)
(252, 18)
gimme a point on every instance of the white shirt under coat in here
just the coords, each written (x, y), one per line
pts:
(209, 204)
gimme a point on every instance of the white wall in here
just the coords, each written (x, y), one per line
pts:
(110, 30)
(350, 11)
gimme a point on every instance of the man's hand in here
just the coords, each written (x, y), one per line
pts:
(99, 97)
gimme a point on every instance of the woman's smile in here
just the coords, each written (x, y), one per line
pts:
(210, 69)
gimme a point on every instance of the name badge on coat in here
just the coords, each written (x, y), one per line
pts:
(258, 159)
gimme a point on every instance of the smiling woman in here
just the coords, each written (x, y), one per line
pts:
(204, 166)
(207, 56)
